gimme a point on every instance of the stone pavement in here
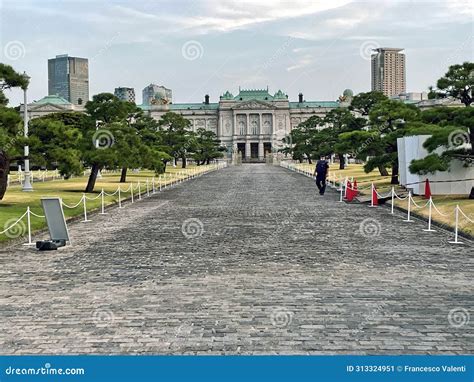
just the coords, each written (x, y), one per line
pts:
(246, 260)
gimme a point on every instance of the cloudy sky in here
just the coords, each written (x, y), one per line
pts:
(196, 47)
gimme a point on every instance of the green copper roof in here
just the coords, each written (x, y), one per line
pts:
(194, 106)
(53, 99)
(253, 94)
(308, 104)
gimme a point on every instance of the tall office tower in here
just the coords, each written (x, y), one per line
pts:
(125, 94)
(388, 71)
(68, 77)
(156, 95)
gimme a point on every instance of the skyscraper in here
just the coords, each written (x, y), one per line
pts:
(388, 71)
(125, 94)
(68, 77)
(157, 95)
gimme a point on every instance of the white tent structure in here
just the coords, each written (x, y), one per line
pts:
(453, 182)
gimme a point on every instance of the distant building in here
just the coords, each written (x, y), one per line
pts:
(125, 94)
(50, 104)
(68, 77)
(253, 122)
(388, 71)
(157, 95)
(411, 96)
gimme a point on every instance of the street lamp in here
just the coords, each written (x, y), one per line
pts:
(27, 181)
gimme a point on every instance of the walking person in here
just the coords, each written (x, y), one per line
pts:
(321, 173)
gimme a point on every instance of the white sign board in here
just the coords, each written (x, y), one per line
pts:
(53, 211)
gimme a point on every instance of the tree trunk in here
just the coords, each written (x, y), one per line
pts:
(183, 162)
(123, 175)
(342, 161)
(471, 195)
(92, 178)
(164, 162)
(383, 171)
(208, 161)
(309, 160)
(394, 173)
(4, 170)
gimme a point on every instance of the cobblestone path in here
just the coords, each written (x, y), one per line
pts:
(248, 259)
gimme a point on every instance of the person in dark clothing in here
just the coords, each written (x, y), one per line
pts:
(321, 173)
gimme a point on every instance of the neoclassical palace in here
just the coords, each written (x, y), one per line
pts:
(253, 122)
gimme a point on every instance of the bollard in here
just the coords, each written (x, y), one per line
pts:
(409, 207)
(84, 201)
(456, 213)
(153, 185)
(429, 216)
(139, 191)
(147, 189)
(28, 220)
(393, 199)
(159, 182)
(131, 191)
(103, 203)
(119, 198)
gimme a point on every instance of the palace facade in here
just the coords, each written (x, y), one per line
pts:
(253, 122)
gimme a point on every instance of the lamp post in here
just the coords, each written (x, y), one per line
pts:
(27, 181)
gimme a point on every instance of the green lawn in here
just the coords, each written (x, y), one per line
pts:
(15, 202)
(445, 203)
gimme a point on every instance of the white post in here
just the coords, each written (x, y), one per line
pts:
(393, 199)
(119, 198)
(345, 186)
(159, 182)
(131, 190)
(371, 194)
(26, 182)
(429, 216)
(139, 191)
(153, 185)
(409, 207)
(28, 219)
(456, 213)
(84, 201)
(147, 188)
(341, 192)
(102, 197)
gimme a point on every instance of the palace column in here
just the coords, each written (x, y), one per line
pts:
(261, 154)
(247, 138)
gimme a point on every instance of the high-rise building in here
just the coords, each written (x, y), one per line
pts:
(125, 94)
(388, 71)
(156, 95)
(68, 77)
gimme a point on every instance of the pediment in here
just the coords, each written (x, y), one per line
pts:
(47, 107)
(253, 104)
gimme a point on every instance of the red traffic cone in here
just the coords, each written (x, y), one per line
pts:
(350, 192)
(427, 189)
(355, 188)
(375, 199)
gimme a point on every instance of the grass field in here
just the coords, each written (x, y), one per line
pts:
(15, 202)
(446, 204)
